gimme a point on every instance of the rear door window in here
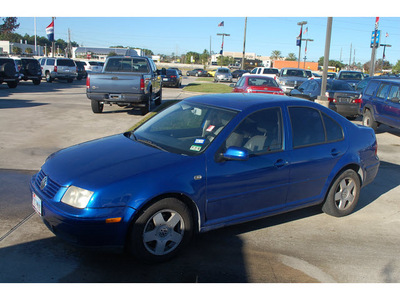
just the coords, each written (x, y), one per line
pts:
(383, 91)
(372, 87)
(394, 94)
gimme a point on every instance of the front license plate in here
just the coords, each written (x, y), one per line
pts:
(165, 79)
(37, 204)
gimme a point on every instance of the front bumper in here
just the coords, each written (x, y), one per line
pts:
(84, 227)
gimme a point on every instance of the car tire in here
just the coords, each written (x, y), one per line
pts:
(147, 105)
(161, 231)
(36, 81)
(48, 78)
(97, 106)
(369, 121)
(12, 84)
(343, 194)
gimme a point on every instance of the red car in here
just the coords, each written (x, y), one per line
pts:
(249, 83)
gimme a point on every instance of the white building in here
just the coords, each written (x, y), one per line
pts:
(102, 53)
(9, 48)
(266, 60)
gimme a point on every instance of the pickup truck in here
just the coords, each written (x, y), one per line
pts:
(130, 81)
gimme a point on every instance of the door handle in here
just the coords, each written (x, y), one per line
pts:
(280, 163)
(335, 152)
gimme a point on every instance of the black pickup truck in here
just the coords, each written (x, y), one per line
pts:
(130, 81)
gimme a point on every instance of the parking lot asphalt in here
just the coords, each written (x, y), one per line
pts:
(301, 246)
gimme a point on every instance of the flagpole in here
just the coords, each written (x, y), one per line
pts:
(301, 30)
(34, 21)
(53, 44)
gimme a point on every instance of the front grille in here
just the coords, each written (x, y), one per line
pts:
(50, 189)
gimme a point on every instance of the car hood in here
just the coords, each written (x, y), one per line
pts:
(101, 162)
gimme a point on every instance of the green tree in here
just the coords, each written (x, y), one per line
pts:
(291, 57)
(396, 67)
(192, 57)
(204, 57)
(275, 55)
(8, 26)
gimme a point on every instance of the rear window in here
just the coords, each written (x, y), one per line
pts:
(339, 86)
(125, 64)
(268, 71)
(350, 76)
(261, 81)
(172, 72)
(383, 91)
(65, 63)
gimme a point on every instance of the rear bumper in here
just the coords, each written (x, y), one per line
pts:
(346, 110)
(117, 98)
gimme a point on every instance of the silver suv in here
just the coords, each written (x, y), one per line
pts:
(58, 68)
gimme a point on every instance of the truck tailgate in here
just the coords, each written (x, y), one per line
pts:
(118, 83)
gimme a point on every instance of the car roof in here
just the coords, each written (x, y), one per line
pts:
(387, 79)
(242, 101)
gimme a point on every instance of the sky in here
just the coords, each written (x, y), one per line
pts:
(193, 26)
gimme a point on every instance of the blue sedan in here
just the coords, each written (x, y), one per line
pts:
(201, 164)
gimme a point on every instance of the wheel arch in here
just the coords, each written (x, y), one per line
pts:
(194, 210)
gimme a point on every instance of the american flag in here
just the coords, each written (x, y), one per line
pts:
(221, 24)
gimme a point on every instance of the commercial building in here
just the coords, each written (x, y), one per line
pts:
(102, 53)
(7, 47)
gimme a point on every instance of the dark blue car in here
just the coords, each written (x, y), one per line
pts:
(204, 163)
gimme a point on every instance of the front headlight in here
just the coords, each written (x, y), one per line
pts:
(77, 197)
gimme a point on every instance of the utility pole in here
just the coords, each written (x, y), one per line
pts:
(222, 46)
(374, 46)
(53, 44)
(299, 40)
(351, 46)
(244, 43)
(322, 99)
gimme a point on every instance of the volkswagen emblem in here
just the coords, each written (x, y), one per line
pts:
(43, 183)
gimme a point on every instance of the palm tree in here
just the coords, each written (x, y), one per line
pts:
(275, 55)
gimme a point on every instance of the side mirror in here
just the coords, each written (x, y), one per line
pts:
(236, 153)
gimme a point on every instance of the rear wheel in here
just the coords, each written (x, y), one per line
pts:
(343, 194)
(369, 121)
(48, 78)
(12, 85)
(161, 231)
(97, 107)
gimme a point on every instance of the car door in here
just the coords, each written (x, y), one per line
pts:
(392, 107)
(301, 90)
(243, 189)
(317, 145)
(381, 104)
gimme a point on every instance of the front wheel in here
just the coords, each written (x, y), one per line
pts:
(161, 231)
(343, 195)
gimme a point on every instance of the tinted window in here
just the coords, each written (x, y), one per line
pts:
(259, 133)
(394, 94)
(268, 71)
(65, 63)
(172, 72)
(370, 90)
(262, 81)
(383, 90)
(127, 65)
(340, 86)
(241, 82)
(50, 62)
(307, 126)
(334, 131)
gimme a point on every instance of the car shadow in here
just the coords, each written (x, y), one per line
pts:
(19, 103)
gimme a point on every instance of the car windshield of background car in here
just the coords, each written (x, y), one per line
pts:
(294, 73)
(184, 128)
(339, 86)
(263, 82)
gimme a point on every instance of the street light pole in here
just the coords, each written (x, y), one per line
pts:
(383, 55)
(244, 43)
(301, 32)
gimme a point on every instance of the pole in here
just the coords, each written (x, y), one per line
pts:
(301, 32)
(322, 99)
(244, 43)
(222, 48)
(372, 65)
(35, 36)
(305, 52)
(351, 46)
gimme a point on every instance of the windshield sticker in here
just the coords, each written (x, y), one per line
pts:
(195, 148)
(210, 128)
(199, 141)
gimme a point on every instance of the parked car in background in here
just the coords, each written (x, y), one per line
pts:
(223, 74)
(381, 103)
(351, 77)
(172, 78)
(58, 68)
(197, 73)
(271, 72)
(211, 73)
(8, 72)
(331, 75)
(341, 96)
(239, 73)
(250, 83)
(93, 66)
(179, 71)
(289, 78)
(80, 68)
(204, 163)
(128, 81)
(29, 69)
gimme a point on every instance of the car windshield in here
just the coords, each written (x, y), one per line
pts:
(262, 81)
(223, 71)
(294, 73)
(184, 128)
(338, 86)
(350, 76)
